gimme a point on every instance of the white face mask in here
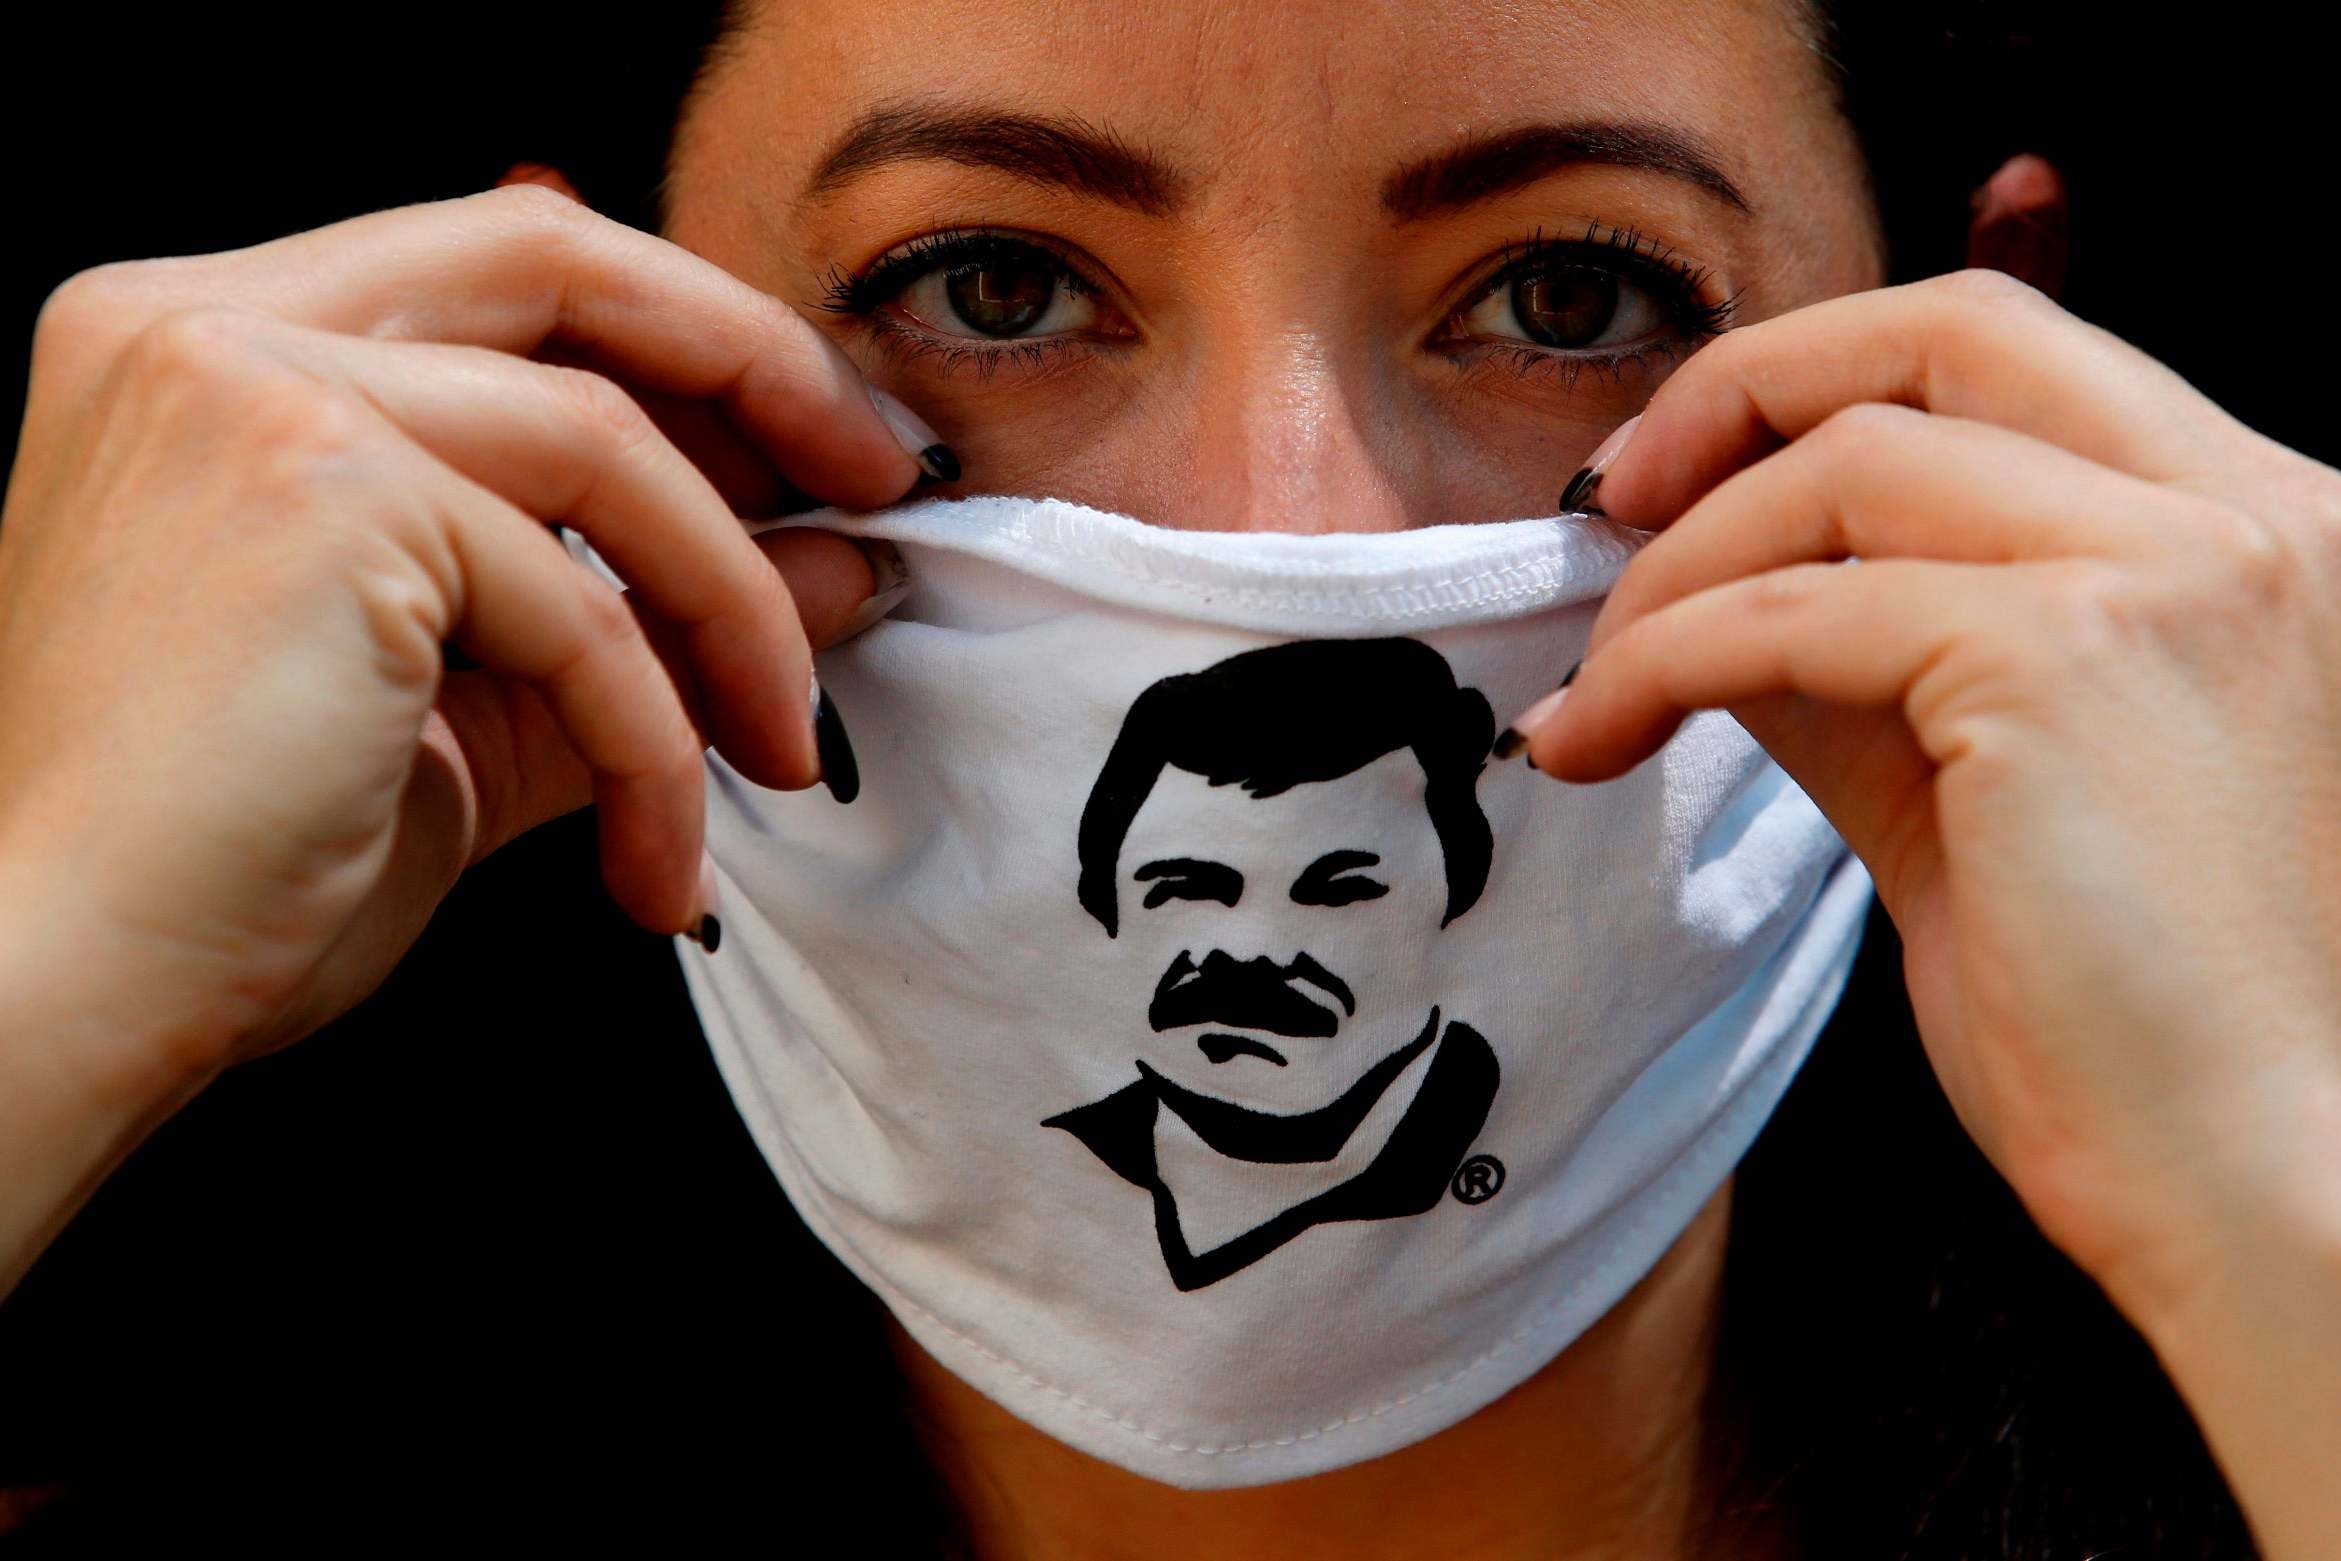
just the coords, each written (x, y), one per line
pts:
(1199, 1046)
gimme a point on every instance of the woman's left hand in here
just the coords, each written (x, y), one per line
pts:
(2078, 709)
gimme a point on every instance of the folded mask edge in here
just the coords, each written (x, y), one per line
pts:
(1427, 578)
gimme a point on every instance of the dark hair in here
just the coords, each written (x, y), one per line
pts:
(1907, 1369)
(1284, 715)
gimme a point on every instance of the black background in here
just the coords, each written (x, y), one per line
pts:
(2198, 141)
(509, 1239)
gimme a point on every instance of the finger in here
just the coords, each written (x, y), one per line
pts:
(1862, 636)
(742, 473)
(518, 267)
(539, 777)
(1866, 773)
(672, 646)
(523, 609)
(524, 770)
(750, 484)
(1975, 344)
(841, 584)
(1883, 481)
(569, 446)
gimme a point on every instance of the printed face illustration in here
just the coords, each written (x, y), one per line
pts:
(1264, 921)
(1269, 843)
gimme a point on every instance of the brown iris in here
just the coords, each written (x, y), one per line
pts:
(1001, 297)
(1565, 306)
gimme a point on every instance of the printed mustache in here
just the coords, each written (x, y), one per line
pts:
(1251, 994)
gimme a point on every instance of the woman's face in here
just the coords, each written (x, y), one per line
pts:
(1297, 265)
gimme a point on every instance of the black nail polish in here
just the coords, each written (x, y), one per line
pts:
(839, 772)
(937, 461)
(710, 933)
(1580, 489)
(1512, 740)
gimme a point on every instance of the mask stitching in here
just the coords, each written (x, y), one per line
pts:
(1044, 535)
(1481, 589)
(1697, 1162)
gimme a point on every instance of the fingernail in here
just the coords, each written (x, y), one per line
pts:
(1576, 497)
(890, 583)
(839, 772)
(1514, 738)
(709, 932)
(911, 432)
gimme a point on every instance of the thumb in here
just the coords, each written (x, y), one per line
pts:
(841, 584)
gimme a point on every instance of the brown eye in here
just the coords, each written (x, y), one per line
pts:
(1567, 306)
(1001, 298)
(1564, 307)
(1005, 292)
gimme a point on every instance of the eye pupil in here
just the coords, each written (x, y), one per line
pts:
(1566, 306)
(1001, 297)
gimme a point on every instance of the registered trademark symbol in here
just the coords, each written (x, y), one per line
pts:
(1478, 1179)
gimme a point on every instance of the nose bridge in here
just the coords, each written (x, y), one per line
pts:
(1253, 928)
(1286, 436)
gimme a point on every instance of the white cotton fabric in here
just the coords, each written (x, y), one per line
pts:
(911, 985)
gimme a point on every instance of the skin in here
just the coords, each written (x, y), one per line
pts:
(1277, 380)
(1266, 389)
(2073, 719)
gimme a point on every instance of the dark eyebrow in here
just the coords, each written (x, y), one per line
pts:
(1064, 151)
(1486, 166)
(1326, 882)
(1186, 878)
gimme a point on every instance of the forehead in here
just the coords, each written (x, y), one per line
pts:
(1269, 104)
(1186, 815)
(1193, 67)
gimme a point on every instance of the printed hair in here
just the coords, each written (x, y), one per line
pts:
(1286, 715)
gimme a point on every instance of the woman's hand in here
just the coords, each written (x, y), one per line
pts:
(257, 490)
(2078, 709)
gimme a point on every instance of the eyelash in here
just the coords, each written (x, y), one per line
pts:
(861, 297)
(1675, 284)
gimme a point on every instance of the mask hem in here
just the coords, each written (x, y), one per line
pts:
(1341, 581)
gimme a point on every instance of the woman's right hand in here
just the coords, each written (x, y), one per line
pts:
(255, 493)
